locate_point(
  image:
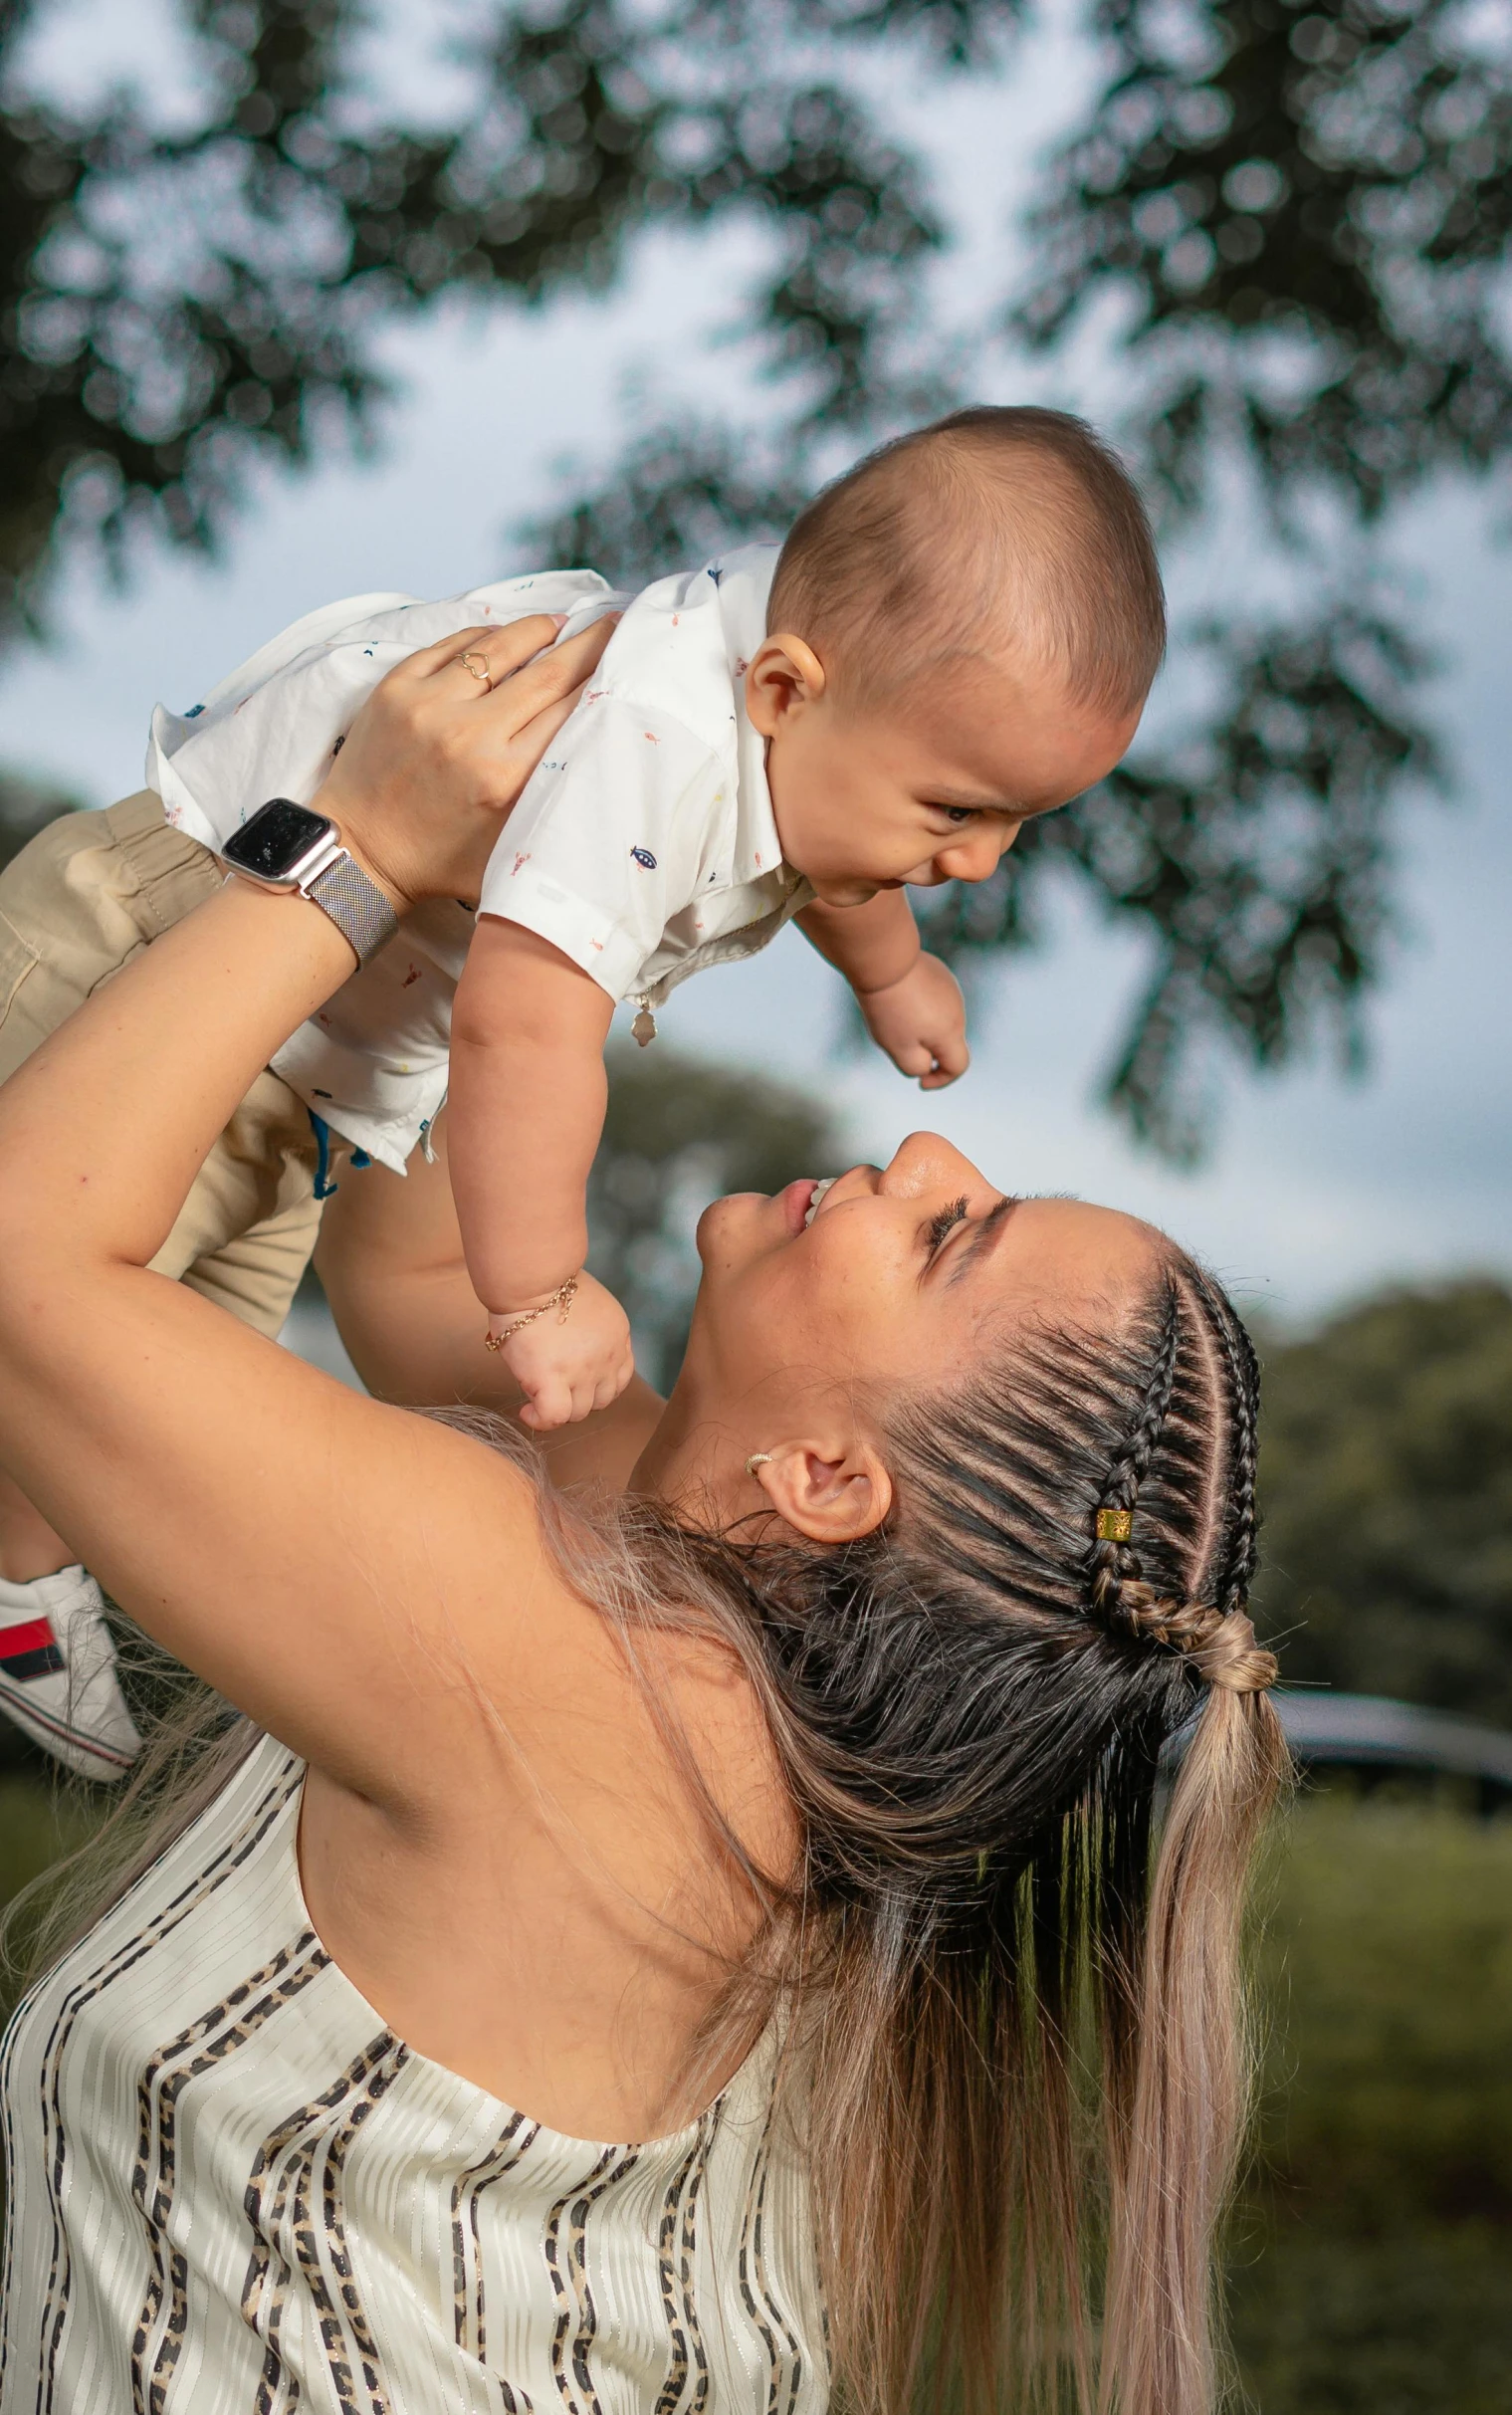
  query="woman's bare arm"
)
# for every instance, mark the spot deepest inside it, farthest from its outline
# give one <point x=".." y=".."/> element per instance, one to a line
<point x="390" y="1261"/>
<point x="347" y="1573"/>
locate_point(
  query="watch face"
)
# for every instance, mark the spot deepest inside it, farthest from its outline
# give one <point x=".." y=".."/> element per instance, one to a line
<point x="274" y="843"/>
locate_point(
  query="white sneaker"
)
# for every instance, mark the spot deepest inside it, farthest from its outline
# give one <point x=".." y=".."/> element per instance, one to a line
<point x="58" y="1676"/>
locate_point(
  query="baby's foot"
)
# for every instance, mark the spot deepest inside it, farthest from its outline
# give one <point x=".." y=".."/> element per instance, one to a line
<point x="58" y="1676"/>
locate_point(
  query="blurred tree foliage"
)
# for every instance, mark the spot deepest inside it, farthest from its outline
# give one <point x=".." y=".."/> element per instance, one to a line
<point x="1369" y="2258"/>
<point x="1288" y="219"/>
<point x="677" y="1135"/>
<point x="1385" y="1484"/>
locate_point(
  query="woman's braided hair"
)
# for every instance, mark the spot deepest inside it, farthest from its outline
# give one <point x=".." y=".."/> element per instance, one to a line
<point x="1215" y="1632"/>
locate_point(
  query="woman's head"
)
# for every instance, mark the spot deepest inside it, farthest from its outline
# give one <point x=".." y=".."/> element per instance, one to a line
<point x="992" y="1554"/>
<point x="827" y="1308"/>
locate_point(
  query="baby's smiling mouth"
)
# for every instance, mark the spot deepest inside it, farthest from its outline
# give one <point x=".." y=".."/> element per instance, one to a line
<point x="821" y="1187"/>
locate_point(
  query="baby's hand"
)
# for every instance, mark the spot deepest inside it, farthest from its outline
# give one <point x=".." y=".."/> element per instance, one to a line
<point x="567" y="1370"/>
<point x="920" y="1022"/>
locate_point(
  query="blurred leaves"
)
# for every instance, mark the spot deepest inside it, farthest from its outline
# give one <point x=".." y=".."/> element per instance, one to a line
<point x="1386" y="1492"/>
<point x="675" y="497"/>
<point x="678" y="1134"/>
<point x="181" y="305"/>
<point x="1305" y="214"/>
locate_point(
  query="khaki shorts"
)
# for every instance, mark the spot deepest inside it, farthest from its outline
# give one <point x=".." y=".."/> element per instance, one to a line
<point x="79" y="902"/>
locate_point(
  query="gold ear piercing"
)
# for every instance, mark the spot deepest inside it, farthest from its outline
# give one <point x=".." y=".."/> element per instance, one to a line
<point x="757" y="1459"/>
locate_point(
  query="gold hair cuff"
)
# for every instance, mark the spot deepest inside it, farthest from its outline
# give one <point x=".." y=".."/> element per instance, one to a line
<point x="562" y="1300"/>
<point x="1115" y="1525"/>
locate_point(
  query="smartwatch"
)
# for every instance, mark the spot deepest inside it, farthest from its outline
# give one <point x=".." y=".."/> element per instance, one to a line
<point x="285" y="846"/>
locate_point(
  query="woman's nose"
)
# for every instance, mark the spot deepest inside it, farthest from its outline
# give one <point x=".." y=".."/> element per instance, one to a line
<point x="925" y="1163"/>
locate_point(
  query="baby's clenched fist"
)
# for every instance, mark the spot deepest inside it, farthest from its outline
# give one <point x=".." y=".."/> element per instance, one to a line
<point x="919" y="1021"/>
<point x="567" y="1367"/>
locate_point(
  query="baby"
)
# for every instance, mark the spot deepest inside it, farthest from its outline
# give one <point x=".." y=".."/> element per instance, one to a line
<point x="956" y="636"/>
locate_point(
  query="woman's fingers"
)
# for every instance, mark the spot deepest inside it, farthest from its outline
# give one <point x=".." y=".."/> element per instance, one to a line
<point x="435" y="756"/>
<point x="507" y="646"/>
<point x="536" y="734"/>
<point x="513" y="648"/>
<point x="550" y="677"/>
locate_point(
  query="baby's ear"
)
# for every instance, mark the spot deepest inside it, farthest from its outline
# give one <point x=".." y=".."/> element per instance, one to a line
<point x="784" y="673"/>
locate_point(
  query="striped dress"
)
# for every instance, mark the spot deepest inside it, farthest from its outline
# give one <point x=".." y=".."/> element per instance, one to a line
<point x="234" y="2191"/>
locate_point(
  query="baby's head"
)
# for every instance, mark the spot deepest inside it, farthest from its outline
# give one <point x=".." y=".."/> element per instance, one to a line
<point x="963" y="629"/>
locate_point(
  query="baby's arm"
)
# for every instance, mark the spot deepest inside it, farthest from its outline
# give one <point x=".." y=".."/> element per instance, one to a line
<point x="526" y="1108"/>
<point x="910" y="1001"/>
<point x="390" y="1259"/>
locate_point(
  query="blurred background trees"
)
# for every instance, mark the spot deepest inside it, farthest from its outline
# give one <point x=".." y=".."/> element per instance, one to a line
<point x="1283" y="226"/>
<point x="1386" y="1479"/>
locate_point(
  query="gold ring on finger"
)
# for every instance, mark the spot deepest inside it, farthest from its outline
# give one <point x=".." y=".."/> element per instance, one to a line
<point x="477" y="664"/>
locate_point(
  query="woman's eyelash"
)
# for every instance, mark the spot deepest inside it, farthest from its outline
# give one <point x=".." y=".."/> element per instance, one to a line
<point x="945" y="1222"/>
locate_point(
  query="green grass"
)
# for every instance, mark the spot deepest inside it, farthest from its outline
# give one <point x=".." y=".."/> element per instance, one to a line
<point x="1372" y="2257"/>
<point x="38" y="1823"/>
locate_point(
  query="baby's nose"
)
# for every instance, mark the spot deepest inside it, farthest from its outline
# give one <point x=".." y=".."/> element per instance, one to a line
<point x="974" y="858"/>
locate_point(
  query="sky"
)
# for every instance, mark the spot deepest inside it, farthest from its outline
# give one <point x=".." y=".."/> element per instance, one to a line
<point x="1318" y="1188"/>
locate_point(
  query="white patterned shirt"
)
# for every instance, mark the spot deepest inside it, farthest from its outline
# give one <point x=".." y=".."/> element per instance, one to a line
<point x="643" y="846"/>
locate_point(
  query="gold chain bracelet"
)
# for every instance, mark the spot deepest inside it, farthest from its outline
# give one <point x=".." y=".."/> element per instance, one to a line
<point x="562" y="1300"/>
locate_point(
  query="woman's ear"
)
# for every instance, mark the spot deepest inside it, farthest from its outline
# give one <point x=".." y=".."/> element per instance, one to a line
<point x="830" y="1498"/>
<point x="784" y="672"/>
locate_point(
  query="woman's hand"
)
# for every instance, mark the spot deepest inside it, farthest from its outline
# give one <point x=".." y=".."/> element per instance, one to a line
<point x="436" y="757"/>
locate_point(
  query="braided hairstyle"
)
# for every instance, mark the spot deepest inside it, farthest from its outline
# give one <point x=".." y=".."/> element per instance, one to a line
<point x="1214" y="1630"/>
<point x="973" y="1709"/>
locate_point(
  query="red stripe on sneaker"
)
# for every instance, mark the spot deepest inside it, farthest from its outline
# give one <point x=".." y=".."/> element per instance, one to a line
<point x="28" y="1635"/>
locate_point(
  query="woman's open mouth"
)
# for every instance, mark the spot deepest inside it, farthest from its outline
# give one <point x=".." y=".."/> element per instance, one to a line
<point x="799" y="1202"/>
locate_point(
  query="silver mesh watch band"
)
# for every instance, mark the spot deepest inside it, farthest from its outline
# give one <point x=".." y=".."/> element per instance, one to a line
<point x="356" y="905"/>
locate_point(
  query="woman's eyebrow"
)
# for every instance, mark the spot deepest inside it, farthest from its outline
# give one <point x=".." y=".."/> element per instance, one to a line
<point x="987" y="1234"/>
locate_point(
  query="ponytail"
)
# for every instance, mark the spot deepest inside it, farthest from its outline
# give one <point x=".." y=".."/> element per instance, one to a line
<point x="1175" y="2135"/>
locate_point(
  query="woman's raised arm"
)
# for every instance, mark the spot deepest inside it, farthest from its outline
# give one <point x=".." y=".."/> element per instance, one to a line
<point x="342" y="1570"/>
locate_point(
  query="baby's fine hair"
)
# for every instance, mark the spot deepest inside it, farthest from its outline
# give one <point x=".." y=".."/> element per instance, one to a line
<point x="998" y="530"/>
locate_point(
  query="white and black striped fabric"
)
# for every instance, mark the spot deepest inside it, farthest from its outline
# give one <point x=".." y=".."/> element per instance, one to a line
<point x="232" y="2190"/>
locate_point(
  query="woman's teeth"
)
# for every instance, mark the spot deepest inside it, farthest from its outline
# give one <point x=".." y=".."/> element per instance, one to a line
<point x="828" y="1183"/>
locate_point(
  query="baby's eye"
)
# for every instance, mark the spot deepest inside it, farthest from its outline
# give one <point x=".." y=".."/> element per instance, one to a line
<point x="958" y="813"/>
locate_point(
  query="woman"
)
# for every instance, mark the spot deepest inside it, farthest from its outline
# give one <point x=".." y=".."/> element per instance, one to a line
<point x="787" y="1824"/>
